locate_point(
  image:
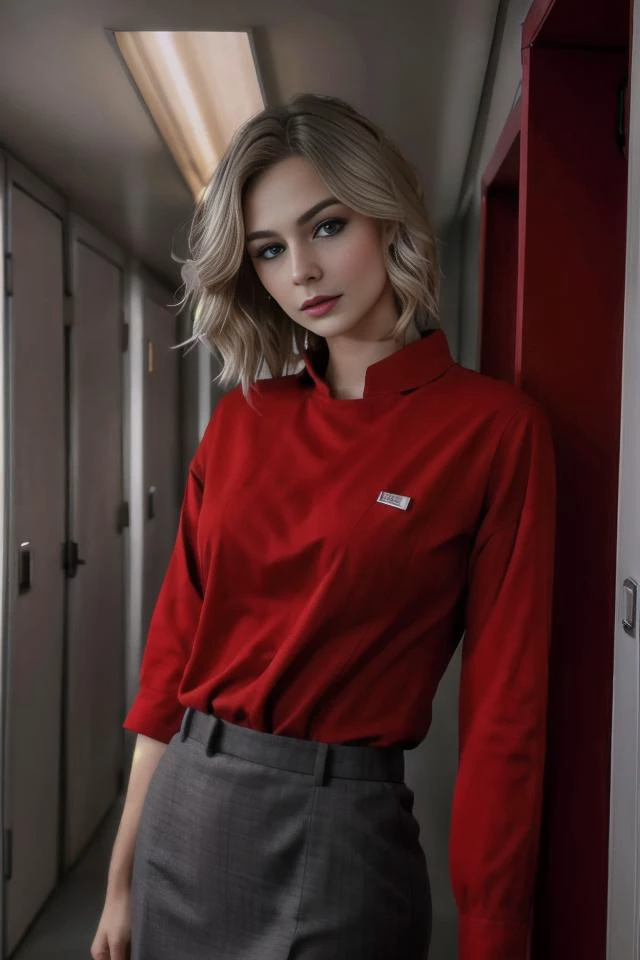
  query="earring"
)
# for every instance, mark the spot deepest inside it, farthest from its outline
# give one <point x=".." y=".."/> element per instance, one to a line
<point x="306" y="339"/>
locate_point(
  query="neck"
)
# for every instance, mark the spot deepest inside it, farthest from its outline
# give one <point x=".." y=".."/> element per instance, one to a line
<point x="350" y="359"/>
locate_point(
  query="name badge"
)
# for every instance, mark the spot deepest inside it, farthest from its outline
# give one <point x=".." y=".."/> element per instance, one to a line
<point x="393" y="500"/>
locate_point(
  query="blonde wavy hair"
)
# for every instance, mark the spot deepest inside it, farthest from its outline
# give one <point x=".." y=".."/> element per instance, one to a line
<point x="364" y="170"/>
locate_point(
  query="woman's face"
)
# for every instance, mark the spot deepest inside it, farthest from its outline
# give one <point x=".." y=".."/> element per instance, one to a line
<point x="310" y="245"/>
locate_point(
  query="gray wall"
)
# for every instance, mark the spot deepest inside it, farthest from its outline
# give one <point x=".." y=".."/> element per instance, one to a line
<point x="502" y="89"/>
<point x="189" y="393"/>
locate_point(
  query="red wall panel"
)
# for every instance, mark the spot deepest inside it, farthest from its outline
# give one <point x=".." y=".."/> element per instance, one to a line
<point x="570" y="320"/>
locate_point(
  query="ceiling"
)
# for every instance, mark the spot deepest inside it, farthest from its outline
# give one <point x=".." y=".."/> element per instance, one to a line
<point x="69" y="111"/>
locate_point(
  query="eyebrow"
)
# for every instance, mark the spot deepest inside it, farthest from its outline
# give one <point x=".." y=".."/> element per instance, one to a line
<point x="328" y="202"/>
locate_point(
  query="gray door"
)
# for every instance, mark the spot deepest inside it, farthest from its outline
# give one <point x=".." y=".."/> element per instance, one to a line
<point x="94" y="690"/>
<point x="623" y="936"/>
<point x="162" y="469"/>
<point x="33" y="681"/>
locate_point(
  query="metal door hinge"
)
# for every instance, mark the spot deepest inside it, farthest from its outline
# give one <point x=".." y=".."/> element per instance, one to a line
<point x="71" y="559"/>
<point x="8" y="274"/>
<point x="123" y="521"/>
<point x="125" y="337"/>
<point x="7" y="854"/>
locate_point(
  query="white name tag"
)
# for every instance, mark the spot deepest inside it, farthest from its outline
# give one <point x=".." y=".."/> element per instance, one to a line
<point x="393" y="500"/>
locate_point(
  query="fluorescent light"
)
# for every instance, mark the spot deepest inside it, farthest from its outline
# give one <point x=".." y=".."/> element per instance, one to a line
<point x="199" y="88"/>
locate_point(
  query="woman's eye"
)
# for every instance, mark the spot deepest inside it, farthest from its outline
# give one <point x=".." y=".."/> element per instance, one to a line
<point x="334" y="227"/>
<point x="262" y="254"/>
<point x="331" y="224"/>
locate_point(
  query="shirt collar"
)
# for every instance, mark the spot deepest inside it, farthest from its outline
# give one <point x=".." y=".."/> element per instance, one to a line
<point x="412" y="366"/>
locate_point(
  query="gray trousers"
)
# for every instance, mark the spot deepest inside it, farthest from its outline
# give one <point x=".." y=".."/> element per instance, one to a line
<point x="256" y="846"/>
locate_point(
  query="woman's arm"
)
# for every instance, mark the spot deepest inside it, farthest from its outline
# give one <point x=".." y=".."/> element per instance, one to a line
<point x="156" y="712"/>
<point x="111" y="941"/>
<point x="496" y="812"/>
<point x="146" y="757"/>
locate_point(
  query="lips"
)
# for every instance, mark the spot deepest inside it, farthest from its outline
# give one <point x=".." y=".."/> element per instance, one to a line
<point x="317" y="300"/>
<point x="321" y="307"/>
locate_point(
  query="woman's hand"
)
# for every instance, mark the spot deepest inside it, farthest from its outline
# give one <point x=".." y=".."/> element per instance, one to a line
<point x="113" y="935"/>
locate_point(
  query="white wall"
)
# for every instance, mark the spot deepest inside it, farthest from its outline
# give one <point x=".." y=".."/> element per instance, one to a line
<point x="134" y="477"/>
<point x="191" y="376"/>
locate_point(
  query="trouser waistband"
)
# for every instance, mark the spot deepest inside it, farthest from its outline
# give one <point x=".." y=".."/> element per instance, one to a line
<point x="322" y="760"/>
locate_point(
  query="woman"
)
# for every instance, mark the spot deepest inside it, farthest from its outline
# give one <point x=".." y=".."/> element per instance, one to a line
<point x="342" y="527"/>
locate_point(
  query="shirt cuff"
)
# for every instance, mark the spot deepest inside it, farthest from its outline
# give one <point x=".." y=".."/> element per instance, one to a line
<point x="155" y="715"/>
<point x="480" y="939"/>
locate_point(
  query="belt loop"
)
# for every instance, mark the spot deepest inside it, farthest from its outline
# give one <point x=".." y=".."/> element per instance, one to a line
<point x="185" y="726"/>
<point x="321" y="764"/>
<point x="215" y="727"/>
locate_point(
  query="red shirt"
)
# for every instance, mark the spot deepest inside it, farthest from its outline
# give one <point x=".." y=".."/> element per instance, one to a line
<point x="297" y="603"/>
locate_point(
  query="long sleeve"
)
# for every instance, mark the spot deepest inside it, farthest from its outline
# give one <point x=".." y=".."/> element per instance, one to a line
<point x="503" y="696"/>
<point x="156" y="711"/>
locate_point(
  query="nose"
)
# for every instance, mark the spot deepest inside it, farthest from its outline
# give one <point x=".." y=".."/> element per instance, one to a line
<point x="304" y="266"/>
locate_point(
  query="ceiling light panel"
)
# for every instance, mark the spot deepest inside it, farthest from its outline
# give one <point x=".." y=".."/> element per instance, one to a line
<point x="198" y="87"/>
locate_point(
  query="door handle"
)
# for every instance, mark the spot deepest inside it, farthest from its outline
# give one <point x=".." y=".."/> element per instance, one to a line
<point x="24" y="567"/>
<point x="629" y="605"/>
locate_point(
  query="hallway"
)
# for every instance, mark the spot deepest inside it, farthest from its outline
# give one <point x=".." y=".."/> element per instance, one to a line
<point x="496" y="164"/>
<point x="65" y="928"/>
